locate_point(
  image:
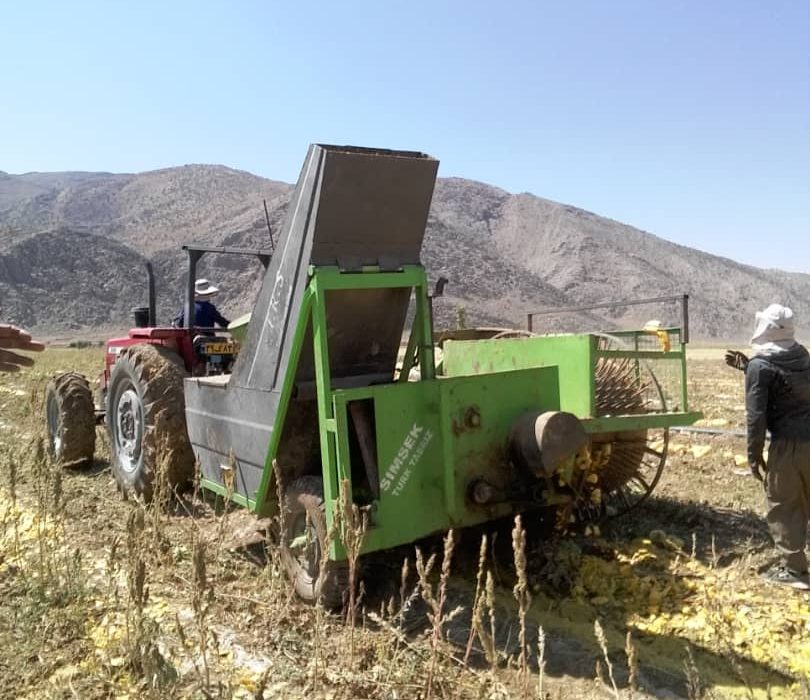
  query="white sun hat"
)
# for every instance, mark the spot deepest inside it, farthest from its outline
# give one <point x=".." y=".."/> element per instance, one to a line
<point x="203" y="288"/>
<point x="773" y="325"/>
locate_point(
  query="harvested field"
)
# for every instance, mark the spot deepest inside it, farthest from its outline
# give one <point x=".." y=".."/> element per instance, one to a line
<point x="102" y="598"/>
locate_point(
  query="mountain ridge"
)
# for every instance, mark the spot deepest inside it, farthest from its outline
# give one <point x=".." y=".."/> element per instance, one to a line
<point x="505" y="254"/>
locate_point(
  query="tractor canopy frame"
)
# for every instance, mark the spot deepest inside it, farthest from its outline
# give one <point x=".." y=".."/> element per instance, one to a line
<point x="195" y="252"/>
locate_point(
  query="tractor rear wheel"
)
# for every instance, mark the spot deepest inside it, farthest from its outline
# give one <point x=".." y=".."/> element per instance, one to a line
<point x="71" y="420"/>
<point x="304" y="539"/>
<point x="146" y="421"/>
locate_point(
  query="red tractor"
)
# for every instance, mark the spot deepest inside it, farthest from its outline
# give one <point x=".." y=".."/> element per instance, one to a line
<point x="140" y="392"/>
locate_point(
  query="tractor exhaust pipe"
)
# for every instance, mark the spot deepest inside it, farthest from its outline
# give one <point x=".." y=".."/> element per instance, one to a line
<point x="144" y="316"/>
<point x="150" y="277"/>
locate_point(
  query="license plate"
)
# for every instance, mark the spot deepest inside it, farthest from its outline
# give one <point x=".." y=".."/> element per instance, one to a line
<point x="220" y="348"/>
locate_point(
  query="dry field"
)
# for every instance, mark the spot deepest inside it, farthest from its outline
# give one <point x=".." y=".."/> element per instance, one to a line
<point x="102" y="598"/>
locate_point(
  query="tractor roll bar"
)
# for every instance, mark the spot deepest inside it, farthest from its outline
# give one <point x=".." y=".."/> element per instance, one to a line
<point x="195" y="252"/>
<point x="683" y="299"/>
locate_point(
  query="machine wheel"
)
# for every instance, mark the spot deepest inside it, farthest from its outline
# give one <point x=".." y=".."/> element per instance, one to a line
<point x="146" y="421"/>
<point x="635" y="466"/>
<point x="637" y="458"/>
<point x="303" y="539"/>
<point x="71" y="420"/>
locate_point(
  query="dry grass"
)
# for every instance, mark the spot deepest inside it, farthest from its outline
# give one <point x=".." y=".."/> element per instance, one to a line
<point x="106" y="598"/>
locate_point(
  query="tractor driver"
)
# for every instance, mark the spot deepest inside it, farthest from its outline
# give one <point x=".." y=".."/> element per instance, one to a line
<point x="206" y="314"/>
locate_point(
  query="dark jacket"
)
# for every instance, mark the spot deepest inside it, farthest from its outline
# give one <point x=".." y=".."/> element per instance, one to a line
<point x="205" y="316"/>
<point x="777" y="397"/>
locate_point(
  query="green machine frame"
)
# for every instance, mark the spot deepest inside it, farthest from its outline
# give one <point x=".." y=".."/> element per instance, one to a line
<point x="435" y="436"/>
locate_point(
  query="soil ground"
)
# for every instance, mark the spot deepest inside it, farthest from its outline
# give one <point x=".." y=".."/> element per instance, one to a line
<point x="101" y="597"/>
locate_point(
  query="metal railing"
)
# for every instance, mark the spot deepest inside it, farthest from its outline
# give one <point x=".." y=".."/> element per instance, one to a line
<point x="683" y="299"/>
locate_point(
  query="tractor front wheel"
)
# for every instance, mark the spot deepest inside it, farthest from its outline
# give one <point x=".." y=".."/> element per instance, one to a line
<point x="304" y="540"/>
<point x="71" y="420"/>
<point x="146" y="421"/>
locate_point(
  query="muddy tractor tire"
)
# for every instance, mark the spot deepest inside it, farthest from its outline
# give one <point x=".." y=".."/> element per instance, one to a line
<point x="146" y="421"/>
<point x="303" y="539"/>
<point x="70" y="418"/>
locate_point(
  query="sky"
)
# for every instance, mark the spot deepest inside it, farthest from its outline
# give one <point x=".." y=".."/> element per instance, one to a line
<point x="685" y="118"/>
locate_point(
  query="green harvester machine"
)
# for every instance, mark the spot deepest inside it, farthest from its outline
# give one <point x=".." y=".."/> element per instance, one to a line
<point x="456" y="430"/>
<point x="503" y="422"/>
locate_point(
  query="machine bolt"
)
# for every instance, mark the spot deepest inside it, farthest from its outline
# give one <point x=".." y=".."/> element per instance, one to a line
<point x="472" y="417"/>
<point x="482" y="492"/>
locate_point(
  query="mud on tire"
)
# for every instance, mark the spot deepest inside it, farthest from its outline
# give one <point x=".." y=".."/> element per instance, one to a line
<point x="303" y="539"/>
<point x="70" y="419"/>
<point x="146" y="421"/>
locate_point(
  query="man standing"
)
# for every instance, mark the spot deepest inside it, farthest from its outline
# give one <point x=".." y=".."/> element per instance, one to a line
<point x="13" y="338"/>
<point x="777" y="398"/>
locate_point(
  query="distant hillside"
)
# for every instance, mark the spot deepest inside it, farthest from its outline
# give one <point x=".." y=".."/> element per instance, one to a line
<point x="72" y="248"/>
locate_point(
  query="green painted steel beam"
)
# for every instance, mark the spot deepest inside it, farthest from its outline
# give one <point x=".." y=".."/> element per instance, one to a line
<point x="227" y="493"/>
<point x="641" y="354"/>
<point x="263" y="504"/>
<point x="647" y="421"/>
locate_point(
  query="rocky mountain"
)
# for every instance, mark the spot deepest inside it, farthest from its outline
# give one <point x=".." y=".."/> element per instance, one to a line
<point x="73" y="246"/>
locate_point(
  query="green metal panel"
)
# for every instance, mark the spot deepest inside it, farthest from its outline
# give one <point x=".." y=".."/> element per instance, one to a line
<point x="433" y="438"/>
<point x="410" y="457"/>
<point x="477" y="417"/>
<point x="572" y="354"/>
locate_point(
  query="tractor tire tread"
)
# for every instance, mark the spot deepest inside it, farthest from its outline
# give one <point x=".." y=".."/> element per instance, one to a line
<point x="160" y="373"/>
<point x="74" y="399"/>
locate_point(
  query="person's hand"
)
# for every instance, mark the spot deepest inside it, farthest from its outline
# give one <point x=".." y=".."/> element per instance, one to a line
<point x="759" y="469"/>
<point x="13" y="338"/>
<point x="736" y="359"/>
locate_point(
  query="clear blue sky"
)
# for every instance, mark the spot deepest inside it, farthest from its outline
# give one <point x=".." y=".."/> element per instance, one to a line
<point x="689" y="119"/>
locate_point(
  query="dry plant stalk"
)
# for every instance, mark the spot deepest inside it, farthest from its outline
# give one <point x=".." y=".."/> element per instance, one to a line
<point x="436" y="602"/>
<point x="61" y="574"/>
<point x="320" y="612"/>
<point x="438" y="615"/>
<point x="602" y="639"/>
<point x="694" y="689"/>
<point x="275" y="567"/>
<point x="223" y="520"/>
<point x="477" y="613"/>
<point x="523" y="598"/>
<point x="403" y="588"/>
<point x="492" y="651"/>
<point x="10" y="480"/>
<point x="201" y="600"/>
<point x="632" y="663"/>
<point x="541" y="660"/>
<point x="354" y="524"/>
<point x="160" y="497"/>
<point x="140" y="631"/>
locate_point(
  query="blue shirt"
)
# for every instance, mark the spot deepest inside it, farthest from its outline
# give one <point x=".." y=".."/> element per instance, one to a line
<point x="205" y="316"/>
